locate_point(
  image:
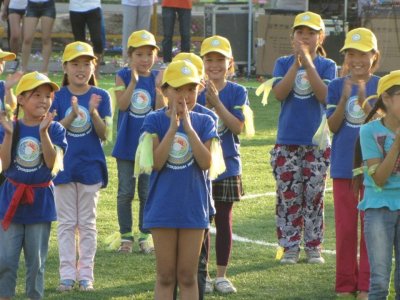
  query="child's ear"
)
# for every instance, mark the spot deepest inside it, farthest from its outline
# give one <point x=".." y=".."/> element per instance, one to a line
<point x="20" y="99"/>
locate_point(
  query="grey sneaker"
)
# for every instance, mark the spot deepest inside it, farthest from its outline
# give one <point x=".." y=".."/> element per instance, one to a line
<point x="290" y="257"/>
<point x="314" y="256"/>
<point x="224" y="286"/>
<point x="209" y="286"/>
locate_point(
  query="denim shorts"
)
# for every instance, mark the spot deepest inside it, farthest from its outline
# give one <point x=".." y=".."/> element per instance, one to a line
<point x="41" y="9"/>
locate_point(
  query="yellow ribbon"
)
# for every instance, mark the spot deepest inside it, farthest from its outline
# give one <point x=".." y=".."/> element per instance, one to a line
<point x="58" y="162"/>
<point x="248" y="120"/>
<point x="217" y="160"/>
<point x="279" y="253"/>
<point x="266" y="88"/>
<point x="113" y="241"/>
<point x="144" y="155"/>
<point x="321" y="136"/>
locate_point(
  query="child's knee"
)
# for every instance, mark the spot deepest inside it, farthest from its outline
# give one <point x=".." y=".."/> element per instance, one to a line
<point x="187" y="278"/>
<point x="166" y="278"/>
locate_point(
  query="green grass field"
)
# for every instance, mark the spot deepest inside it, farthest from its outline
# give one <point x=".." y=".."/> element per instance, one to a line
<point x="253" y="268"/>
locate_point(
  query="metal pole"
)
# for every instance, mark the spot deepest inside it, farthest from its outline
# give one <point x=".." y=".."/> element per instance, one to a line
<point x="250" y="40"/>
<point x="345" y="12"/>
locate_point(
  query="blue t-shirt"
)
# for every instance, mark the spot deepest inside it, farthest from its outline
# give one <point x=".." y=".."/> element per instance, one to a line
<point x="301" y="112"/>
<point x="376" y="141"/>
<point x="28" y="167"/>
<point x="84" y="161"/>
<point x="344" y="140"/>
<point x="130" y="121"/>
<point x="178" y="195"/>
<point x="233" y="96"/>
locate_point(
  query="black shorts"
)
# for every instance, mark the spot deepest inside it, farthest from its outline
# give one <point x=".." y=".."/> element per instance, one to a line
<point x="41" y="9"/>
<point x="20" y="12"/>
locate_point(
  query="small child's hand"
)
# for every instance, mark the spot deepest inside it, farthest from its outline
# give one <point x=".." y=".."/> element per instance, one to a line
<point x="303" y="54"/>
<point x="212" y="98"/>
<point x="174" y="119"/>
<point x="159" y="78"/>
<point x="13" y="79"/>
<point x="75" y="106"/>
<point x="94" y="102"/>
<point x="185" y="117"/>
<point x="46" y="121"/>
<point x="134" y="74"/>
<point x="346" y="91"/>
<point x="361" y="92"/>
<point x="6" y="122"/>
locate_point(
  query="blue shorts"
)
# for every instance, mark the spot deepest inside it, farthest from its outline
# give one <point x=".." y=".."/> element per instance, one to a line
<point x="41" y="9"/>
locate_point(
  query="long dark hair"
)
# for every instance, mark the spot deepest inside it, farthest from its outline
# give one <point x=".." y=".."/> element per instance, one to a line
<point x="358" y="161"/>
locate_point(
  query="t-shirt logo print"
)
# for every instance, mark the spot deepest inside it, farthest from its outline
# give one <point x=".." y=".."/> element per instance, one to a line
<point x="302" y="86"/>
<point x="82" y="122"/>
<point x="29" y="152"/>
<point x="140" y="103"/>
<point x="181" y="151"/>
<point x="354" y="113"/>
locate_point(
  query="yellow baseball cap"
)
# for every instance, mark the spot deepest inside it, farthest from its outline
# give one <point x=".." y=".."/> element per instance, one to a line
<point x="179" y="73"/>
<point x="216" y="43"/>
<point x="361" y="39"/>
<point x="142" y="38"/>
<point x="32" y="80"/>
<point x="76" y="49"/>
<point x="192" y="58"/>
<point x="309" y="19"/>
<point x="4" y="55"/>
<point x="387" y="81"/>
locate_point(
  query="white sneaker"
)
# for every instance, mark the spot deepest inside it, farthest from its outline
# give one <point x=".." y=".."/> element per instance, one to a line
<point x="314" y="257"/>
<point x="209" y="286"/>
<point x="224" y="286"/>
<point x="290" y="257"/>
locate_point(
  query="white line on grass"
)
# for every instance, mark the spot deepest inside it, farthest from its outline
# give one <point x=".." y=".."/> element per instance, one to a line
<point x="238" y="238"/>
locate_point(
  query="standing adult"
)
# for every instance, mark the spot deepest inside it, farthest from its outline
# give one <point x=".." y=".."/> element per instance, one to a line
<point x="88" y="13"/>
<point x="44" y="10"/>
<point x="14" y="11"/>
<point x="136" y="16"/>
<point x="171" y="9"/>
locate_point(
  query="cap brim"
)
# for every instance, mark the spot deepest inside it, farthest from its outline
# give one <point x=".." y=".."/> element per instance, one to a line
<point x="314" y="27"/>
<point x="144" y="44"/>
<point x="181" y="82"/>
<point x="356" y="47"/>
<point x="7" y="56"/>
<point x="79" y="55"/>
<point x="224" y="53"/>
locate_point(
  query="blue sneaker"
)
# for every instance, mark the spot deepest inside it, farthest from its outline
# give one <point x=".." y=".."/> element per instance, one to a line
<point x="86" y="285"/>
<point x="66" y="285"/>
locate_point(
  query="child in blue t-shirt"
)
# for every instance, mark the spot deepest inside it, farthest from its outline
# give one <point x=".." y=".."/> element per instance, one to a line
<point x="204" y="283"/>
<point x="31" y="151"/>
<point x="347" y="108"/>
<point x="177" y="209"/>
<point x="227" y="99"/>
<point x="137" y="99"/>
<point x="6" y="92"/>
<point x="85" y="111"/>
<point x="380" y="149"/>
<point x="300" y="166"/>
